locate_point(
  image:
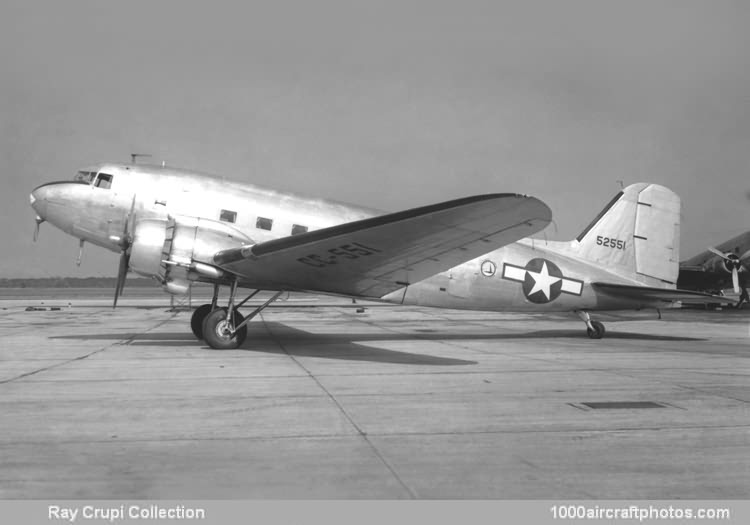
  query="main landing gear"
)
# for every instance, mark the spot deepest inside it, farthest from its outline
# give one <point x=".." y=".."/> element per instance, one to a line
<point x="594" y="329"/>
<point x="225" y="328"/>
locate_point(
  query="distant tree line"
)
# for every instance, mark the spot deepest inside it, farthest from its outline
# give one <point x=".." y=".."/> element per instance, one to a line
<point x="74" y="282"/>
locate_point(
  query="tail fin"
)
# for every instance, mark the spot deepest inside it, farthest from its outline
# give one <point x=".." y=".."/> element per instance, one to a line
<point x="637" y="235"/>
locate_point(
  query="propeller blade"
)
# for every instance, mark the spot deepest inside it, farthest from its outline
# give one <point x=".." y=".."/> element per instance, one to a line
<point x="129" y="223"/>
<point x="80" y="252"/>
<point x="39" y="221"/>
<point x="735" y="280"/>
<point x="122" y="272"/>
<point x="125" y="242"/>
<point x="717" y="252"/>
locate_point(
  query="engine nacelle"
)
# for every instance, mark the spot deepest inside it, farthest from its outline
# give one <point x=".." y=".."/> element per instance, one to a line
<point x="172" y="250"/>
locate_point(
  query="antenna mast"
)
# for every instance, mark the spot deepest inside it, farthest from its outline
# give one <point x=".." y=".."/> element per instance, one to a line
<point x="134" y="156"/>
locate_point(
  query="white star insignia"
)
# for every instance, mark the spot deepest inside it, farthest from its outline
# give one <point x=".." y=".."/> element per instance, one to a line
<point x="542" y="281"/>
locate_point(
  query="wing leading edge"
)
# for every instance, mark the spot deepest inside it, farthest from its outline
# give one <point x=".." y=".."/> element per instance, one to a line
<point x="375" y="256"/>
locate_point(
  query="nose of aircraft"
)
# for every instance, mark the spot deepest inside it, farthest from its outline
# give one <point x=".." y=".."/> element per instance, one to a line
<point x="62" y="204"/>
<point x="38" y="201"/>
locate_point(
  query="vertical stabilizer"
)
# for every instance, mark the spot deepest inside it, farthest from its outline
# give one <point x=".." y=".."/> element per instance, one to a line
<point x="637" y="235"/>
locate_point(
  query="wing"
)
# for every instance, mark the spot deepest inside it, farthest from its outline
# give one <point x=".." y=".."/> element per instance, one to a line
<point x="647" y="293"/>
<point x="375" y="256"/>
<point x="739" y="245"/>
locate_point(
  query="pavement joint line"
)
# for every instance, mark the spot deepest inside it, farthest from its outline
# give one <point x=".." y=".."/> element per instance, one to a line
<point x="82" y="357"/>
<point x="357" y="374"/>
<point x="572" y="431"/>
<point x="402" y="395"/>
<point x="412" y="493"/>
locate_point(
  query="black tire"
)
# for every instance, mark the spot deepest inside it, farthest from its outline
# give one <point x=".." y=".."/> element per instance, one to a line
<point x="213" y="330"/>
<point x="597" y="332"/>
<point x="196" y="322"/>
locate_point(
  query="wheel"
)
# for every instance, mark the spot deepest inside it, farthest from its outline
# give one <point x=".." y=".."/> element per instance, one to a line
<point x="196" y="322"/>
<point x="597" y="332"/>
<point x="215" y="330"/>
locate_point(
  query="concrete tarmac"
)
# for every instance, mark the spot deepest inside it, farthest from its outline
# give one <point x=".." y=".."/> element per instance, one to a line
<point x="323" y="401"/>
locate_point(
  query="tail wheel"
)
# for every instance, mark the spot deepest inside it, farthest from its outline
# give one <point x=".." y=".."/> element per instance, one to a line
<point x="216" y="330"/>
<point x="196" y="322"/>
<point x="598" y="330"/>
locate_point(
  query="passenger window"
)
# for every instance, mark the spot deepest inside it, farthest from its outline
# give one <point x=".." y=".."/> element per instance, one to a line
<point x="104" y="181"/>
<point x="263" y="223"/>
<point x="228" y="216"/>
<point x="297" y="229"/>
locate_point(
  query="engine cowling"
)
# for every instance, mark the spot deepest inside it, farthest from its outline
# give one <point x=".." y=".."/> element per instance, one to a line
<point x="173" y="250"/>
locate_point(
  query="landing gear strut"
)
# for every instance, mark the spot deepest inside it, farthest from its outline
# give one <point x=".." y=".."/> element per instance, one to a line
<point x="200" y="314"/>
<point x="226" y="328"/>
<point x="594" y="329"/>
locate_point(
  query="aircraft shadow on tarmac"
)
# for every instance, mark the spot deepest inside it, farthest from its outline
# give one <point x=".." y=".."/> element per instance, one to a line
<point x="352" y="346"/>
<point x="300" y="343"/>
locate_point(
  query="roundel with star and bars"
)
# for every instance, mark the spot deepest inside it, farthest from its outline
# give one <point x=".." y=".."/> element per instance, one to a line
<point x="541" y="280"/>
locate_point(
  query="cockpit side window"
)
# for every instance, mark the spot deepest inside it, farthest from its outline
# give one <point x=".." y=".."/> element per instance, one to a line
<point x="104" y="181"/>
<point x="85" y="176"/>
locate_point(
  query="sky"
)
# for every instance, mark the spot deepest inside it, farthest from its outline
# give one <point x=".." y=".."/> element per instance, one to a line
<point x="389" y="104"/>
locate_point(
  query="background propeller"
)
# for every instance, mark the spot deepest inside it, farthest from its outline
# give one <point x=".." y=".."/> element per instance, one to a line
<point x="732" y="263"/>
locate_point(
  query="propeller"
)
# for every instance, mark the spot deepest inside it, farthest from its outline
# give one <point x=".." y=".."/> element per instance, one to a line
<point x="80" y="252"/>
<point x="732" y="263"/>
<point x="39" y="221"/>
<point x="122" y="272"/>
<point x="126" y="242"/>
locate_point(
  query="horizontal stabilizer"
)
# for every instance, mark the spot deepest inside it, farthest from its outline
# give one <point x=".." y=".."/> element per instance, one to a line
<point x="646" y="293"/>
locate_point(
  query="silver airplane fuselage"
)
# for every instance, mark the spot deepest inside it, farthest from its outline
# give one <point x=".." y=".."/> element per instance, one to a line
<point x="528" y="275"/>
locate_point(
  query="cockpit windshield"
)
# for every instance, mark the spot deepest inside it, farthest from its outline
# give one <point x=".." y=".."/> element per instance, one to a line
<point x="85" y="176"/>
<point x="100" y="180"/>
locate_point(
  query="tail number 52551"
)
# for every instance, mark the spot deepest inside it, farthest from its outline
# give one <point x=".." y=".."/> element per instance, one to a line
<point x="610" y="242"/>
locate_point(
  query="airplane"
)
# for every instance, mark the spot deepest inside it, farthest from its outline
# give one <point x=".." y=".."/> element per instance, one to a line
<point x="474" y="253"/>
<point x="727" y="264"/>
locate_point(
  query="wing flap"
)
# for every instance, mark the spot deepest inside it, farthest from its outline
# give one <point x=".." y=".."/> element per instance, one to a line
<point x="659" y="294"/>
<point x="375" y="256"/>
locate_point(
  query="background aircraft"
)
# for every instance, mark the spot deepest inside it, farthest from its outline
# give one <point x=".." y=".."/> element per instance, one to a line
<point x="720" y="267"/>
<point x="179" y="227"/>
